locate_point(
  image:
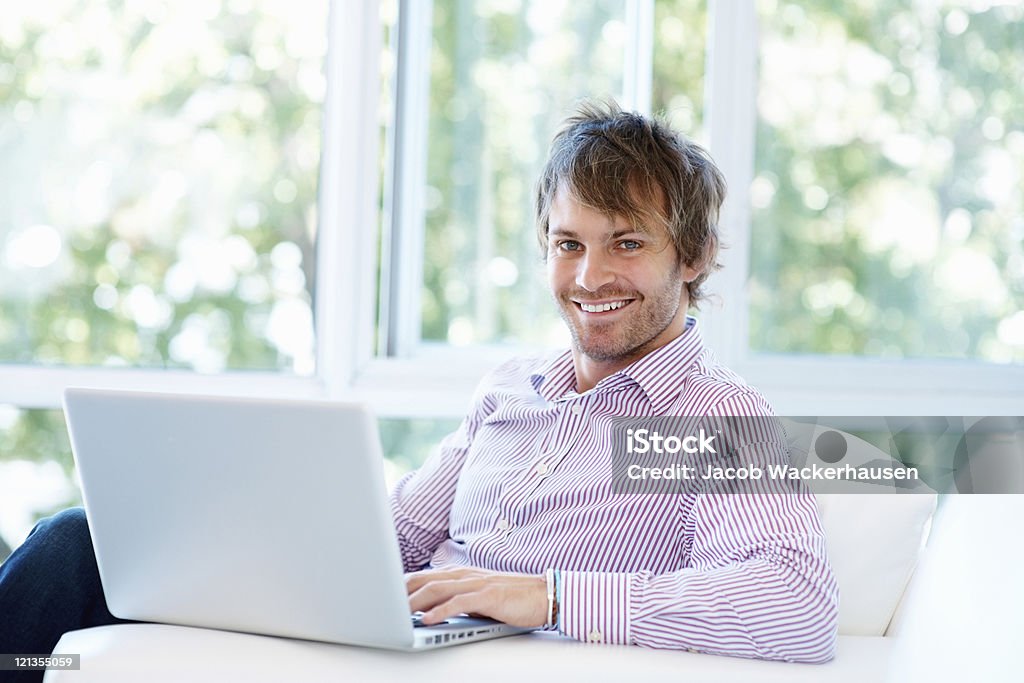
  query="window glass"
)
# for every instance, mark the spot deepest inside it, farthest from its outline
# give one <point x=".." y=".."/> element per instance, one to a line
<point x="503" y="74"/>
<point x="408" y="442"/>
<point x="158" y="178"/>
<point x="887" y="200"/>
<point x="677" y="85"/>
<point x="36" y="470"/>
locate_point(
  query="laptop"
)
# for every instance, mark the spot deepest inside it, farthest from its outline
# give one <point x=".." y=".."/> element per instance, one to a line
<point x="253" y="515"/>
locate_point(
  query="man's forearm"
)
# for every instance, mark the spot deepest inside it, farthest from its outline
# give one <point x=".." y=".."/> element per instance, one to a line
<point x="752" y="609"/>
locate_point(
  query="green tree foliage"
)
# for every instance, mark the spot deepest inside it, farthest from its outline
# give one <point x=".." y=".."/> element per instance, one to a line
<point x="159" y="190"/>
<point x="890" y="160"/>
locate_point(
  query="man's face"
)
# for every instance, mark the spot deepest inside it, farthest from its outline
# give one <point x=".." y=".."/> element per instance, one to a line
<point x="621" y="292"/>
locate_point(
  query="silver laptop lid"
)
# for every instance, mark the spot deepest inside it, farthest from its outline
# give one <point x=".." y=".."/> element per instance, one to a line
<point x="252" y="515"/>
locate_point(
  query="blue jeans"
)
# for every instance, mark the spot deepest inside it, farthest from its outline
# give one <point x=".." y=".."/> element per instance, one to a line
<point x="48" y="586"/>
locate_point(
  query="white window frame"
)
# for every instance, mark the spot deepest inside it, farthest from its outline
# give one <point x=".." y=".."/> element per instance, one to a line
<point x="811" y="384"/>
<point x="404" y="378"/>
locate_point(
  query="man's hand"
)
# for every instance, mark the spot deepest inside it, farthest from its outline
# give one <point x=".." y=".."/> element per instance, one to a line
<point x="516" y="599"/>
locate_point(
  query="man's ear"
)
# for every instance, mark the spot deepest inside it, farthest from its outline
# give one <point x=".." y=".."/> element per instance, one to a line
<point x="690" y="273"/>
<point x="704" y="263"/>
<point x="694" y="267"/>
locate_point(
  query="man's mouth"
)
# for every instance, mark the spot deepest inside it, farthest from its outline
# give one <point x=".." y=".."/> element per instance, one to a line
<point x="603" y="306"/>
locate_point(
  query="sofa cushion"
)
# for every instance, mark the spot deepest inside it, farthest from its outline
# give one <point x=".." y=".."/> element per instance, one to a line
<point x="875" y="533"/>
<point x="155" y="653"/>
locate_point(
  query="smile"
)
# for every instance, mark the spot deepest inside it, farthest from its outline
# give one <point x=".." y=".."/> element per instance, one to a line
<point x="601" y="308"/>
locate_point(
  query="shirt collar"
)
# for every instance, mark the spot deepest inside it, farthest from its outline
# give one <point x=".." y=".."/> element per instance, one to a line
<point x="659" y="374"/>
<point x="555" y="378"/>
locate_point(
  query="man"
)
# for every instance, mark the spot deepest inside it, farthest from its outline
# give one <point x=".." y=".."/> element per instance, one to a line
<point x="626" y="213"/>
<point x="515" y="516"/>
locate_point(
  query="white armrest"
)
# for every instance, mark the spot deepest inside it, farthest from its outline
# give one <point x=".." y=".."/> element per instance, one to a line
<point x="963" y="615"/>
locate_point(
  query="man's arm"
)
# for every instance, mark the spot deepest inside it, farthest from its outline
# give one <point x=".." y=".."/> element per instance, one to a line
<point x="760" y="587"/>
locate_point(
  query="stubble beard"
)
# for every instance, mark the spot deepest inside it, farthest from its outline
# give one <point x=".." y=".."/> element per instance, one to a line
<point x="628" y="339"/>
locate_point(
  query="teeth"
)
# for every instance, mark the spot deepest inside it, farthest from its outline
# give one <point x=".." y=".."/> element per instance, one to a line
<point x="601" y="308"/>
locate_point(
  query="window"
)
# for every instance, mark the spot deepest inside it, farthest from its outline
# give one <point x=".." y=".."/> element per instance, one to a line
<point x="806" y="370"/>
<point x="159" y="194"/>
<point x="481" y="86"/>
<point x="810" y="311"/>
<point x="158" y="212"/>
<point x="501" y="74"/>
<point x="36" y="470"/>
<point x="887" y="195"/>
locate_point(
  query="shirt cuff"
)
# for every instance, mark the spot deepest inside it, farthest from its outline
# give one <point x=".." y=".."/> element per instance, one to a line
<point x="595" y="607"/>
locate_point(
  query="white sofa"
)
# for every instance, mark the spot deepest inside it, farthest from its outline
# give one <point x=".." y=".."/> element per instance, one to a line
<point x="923" y="597"/>
<point x="960" y="618"/>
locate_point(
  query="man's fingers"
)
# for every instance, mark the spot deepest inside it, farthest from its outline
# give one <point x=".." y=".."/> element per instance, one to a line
<point x="418" y="580"/>
<point x="434" y="593"/>
<point x="463" y="603"/>
<point x="515" y="599"/>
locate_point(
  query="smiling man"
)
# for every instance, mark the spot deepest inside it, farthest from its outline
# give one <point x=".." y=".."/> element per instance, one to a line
<point x="516" y="517"/>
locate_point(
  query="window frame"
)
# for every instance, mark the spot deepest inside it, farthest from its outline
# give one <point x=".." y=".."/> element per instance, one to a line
<point x="400" y="377"/>
<point x="811" y="384"/>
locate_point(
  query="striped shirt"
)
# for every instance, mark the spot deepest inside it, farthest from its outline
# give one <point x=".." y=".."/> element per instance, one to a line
<point x="525" y="484"/>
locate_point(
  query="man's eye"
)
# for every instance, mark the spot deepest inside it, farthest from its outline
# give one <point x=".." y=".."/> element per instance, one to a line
<point x="630" y="245"/>
<point x="569" y="245"/>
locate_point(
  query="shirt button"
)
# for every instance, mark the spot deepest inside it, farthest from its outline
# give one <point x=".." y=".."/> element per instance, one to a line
<point x="576" y="408"/>
<point x="690" y="649"/>
<point x="595" y="636"/>
<point x="503" y="524"/>
<point x="542" y="469"/>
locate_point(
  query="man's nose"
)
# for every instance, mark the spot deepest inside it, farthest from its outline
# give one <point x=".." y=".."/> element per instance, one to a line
<point x="594" y="271"/>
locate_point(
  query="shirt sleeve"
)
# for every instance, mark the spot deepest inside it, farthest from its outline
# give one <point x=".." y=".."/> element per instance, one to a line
<point x="761" y="589"/>
<point x="421" y="501"/>
<point x="758" y="584"/>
